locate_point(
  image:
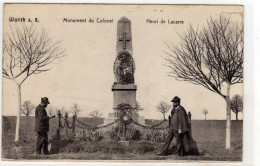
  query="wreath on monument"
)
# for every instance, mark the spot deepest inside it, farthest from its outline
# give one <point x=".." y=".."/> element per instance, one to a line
<point x="124" y="113"/>
<point x="124" y="68"/>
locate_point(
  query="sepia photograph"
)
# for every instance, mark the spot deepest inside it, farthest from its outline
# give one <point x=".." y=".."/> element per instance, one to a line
<point x="118" y="82"/>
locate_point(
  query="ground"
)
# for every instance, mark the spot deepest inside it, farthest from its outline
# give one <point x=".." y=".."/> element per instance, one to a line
<point x="209" y="135"/>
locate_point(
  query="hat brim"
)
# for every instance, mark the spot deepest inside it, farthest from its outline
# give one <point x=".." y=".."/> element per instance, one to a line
<point x="175" y="101"/>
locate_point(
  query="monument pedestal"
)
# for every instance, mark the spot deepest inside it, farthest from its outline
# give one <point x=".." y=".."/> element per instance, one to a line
<point x="124" y="93"/>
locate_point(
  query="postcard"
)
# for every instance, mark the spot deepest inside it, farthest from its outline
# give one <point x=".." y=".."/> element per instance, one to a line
<point x="122" y="82"/>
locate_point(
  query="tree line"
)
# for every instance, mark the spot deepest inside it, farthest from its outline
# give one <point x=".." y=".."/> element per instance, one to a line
<point x="28" y="108"/>
<point x="236" y="106"/>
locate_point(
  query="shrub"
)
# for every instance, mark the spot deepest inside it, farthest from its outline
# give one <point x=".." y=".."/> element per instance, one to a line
<point x="156" y="136"/>
<point x="113" y="135"/>
<point x="134" y="134"/>
<point x="89" y="135"/>
<point x="96" y="136"/>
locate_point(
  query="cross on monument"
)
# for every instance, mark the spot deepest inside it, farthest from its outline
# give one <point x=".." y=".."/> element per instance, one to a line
<point x="124" y="40"/>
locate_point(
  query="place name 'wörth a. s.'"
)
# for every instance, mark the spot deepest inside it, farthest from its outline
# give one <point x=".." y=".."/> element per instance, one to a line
<point x="87" y="20"/>
<point x="23" y="19"/>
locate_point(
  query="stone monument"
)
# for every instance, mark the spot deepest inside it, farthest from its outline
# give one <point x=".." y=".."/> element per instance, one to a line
<point x="124" y="89"/>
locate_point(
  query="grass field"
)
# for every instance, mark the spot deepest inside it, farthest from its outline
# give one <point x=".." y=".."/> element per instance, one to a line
<point x="209" y="135"/>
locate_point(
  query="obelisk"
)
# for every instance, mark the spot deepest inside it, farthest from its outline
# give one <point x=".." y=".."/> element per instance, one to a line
<point x="124" y="89"/>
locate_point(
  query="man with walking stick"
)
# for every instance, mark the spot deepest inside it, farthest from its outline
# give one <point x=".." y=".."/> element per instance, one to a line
<point x="178" y="128"/>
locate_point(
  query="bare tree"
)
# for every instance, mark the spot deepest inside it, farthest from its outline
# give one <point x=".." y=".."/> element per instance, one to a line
<point x="27" y="108"/>
<point x="95" y="114"/>
<point x="27" y="51"/>
<point x="62" y="110"/>
<point x="75" y="109"/>
<point x="205" y="112"/>
<point x="237" y="105"/>
<point x="163" y="107"/>
<point x="211" y="57"/>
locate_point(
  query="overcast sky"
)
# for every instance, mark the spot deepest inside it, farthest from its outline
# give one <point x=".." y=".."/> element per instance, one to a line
<point x="86" y="75"/>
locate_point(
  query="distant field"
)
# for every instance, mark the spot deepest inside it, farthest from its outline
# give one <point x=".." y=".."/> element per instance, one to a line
<point x="209" y="135"/>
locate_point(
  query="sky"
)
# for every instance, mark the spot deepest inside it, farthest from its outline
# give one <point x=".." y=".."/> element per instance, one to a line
<point x="85" y="76"/>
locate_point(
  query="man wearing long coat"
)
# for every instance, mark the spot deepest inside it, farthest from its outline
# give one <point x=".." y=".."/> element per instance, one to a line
<point x="42" y="126"/>
<point x="178" y="128"/>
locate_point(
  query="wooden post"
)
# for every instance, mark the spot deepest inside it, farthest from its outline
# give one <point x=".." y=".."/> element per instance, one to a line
<point x="66" y="123"/>
<point x="189" y="118"/>
<point x="169" y="120"/>
<point x="59" y="121"/>
<point x="73" y="124"/>
<point x="125" y="131"/>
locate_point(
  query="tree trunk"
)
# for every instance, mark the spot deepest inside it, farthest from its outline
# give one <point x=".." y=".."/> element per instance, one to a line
<point x="205" y="116"/>
<point x="19" y="114"/>
<point x="228" y="123"/>
<point x="237" y="116"/>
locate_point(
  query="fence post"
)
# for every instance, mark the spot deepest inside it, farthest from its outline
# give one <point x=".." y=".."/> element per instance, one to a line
<point x="66" y="123"/>
<point x="124" y="131"/>
<point x="73" y="124"/>
<point x="59" y="122"/>
<point x="169" y="120"/>
<point x="189" y="117"/>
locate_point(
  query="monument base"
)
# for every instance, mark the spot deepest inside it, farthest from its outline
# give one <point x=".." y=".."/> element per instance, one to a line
<point x="125" y="143"/>
<point x="124" y="93"/>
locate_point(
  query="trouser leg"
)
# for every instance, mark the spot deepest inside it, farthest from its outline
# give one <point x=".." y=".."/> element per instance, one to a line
<point x="165" y="148"/>
<point x="179" y="143"/>
<point x="45" y="143"/>
<point x="39" y="142"/>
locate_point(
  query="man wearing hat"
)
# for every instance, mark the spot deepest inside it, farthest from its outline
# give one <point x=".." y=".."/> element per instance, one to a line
<point x="42" y="126"/>
<point x="178" y="127"/>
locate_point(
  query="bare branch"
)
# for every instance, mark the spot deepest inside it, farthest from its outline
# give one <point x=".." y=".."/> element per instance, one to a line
<point x="27" y="108"/>
<point x="75" y="109"/>
<point x="95" y="114"/>
<point x="28" y="50"/>
<point x="237" y="104"/>
<point x="209" y="57"/>
<point x="163" y="107"/>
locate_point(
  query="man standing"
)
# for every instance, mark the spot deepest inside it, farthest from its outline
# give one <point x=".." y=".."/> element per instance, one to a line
<point x="178" y="127"/>
<point x="42" y="126"/>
